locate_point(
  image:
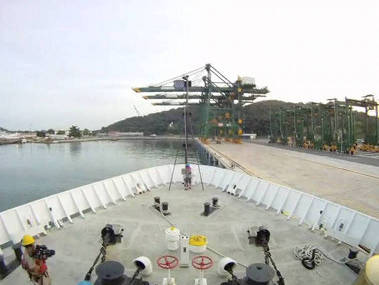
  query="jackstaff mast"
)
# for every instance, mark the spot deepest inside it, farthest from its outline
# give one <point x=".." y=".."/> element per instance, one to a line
<point x="185" y="78"/>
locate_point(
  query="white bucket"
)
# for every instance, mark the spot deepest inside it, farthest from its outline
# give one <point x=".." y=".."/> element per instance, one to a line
<point x="172" y="238"/>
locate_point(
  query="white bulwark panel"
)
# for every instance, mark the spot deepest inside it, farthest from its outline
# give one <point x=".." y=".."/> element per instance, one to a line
<point x="342" y="223"/>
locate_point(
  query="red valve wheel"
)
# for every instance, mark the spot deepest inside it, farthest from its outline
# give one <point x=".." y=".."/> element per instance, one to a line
<point x="202" y="262"/>
<point x="167" y="262"/>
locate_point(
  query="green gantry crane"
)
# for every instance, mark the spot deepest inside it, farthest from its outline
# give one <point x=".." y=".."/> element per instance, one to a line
<point x="331" y="126"/>
<point x="220" y="99"/>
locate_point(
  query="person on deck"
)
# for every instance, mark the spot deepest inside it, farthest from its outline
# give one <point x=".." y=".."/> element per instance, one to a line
<point x="187" y="177"/>
<point x="36" y="268"/>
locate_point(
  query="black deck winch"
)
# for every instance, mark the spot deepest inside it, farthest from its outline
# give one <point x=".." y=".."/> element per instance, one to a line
<point x="112" y="273"/>
<point x="258" y="235"/>
<point x="112" y="234"/>
<point x="258" y="274"/>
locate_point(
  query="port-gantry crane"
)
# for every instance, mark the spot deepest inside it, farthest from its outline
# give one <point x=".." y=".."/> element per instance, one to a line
<point x="220" y="100"/>
<point x="333" y="126"/>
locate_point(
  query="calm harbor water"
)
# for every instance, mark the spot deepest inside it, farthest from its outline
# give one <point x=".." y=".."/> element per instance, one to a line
<point x="32" y="171"/>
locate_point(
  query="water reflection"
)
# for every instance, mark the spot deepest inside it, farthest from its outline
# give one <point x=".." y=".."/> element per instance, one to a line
<point x="33" y="171"/>
<point x="75" y="148"/>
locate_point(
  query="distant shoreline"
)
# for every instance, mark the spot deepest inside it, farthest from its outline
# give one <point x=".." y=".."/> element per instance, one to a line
<point x="119" y="139"/>
<point x="89" y="139"/>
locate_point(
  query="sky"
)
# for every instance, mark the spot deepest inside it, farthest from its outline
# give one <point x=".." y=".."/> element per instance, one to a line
<point x="75" y="62"/>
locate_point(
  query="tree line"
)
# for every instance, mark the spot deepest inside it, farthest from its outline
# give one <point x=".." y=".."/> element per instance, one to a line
<point x="256" y="120"/>
<point x="73" y="132"/>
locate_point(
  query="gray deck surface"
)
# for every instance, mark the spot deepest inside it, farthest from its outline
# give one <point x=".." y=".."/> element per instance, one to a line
<point x="78" y="244"/>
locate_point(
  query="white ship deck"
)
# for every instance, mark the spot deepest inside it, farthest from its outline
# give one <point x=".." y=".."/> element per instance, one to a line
<point x="254" y="203"/>
<point x="78" y="244"/>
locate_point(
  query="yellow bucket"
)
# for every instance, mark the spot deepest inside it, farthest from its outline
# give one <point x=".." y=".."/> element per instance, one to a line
<point x="198" y="240"/>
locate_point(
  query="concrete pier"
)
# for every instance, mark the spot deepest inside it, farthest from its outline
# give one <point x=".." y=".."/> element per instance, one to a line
<point x="351" y="184"/>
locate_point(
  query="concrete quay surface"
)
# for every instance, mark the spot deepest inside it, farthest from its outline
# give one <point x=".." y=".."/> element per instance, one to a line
<point x="351" y="184"/>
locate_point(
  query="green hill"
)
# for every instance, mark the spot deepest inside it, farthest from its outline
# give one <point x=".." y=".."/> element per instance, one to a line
<point x="256" y="120"/>
<point x="157" y="123"/>
<point x="256" y="116"/>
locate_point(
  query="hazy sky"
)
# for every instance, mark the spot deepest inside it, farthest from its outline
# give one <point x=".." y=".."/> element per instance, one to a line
<point x="73" y="62"/>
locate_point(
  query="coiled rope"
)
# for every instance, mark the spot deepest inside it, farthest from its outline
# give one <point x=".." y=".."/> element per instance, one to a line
<point x="309" y="254"/>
